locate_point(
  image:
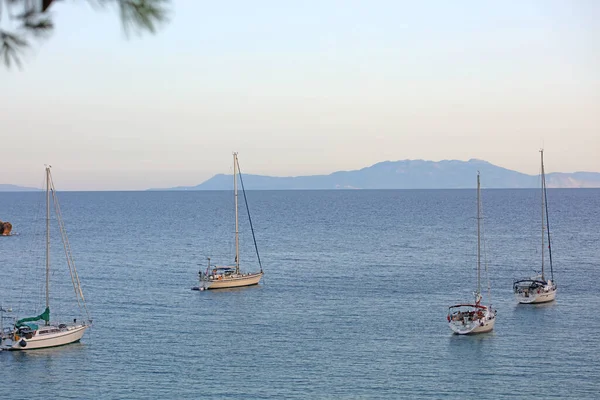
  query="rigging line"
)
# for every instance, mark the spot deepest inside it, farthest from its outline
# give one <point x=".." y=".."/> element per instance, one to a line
<point x="249" y="218"/>
<point x="541" y="179"/>
<point x="547" y="222"/>
<point x="485" y="262"/>
<point x="68" y="253"/>
<point x="59" y="220"/>
<point x="478" y="235"/>
<point x="70" y="260"/>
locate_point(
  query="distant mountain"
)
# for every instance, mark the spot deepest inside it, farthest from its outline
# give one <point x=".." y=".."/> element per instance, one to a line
<point x="4" y="187"/>
<point x="407" y="174"/>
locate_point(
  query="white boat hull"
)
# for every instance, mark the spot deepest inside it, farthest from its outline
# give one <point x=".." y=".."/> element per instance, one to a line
<point x="473" y="328"/>
<point x="63" y="336"/>
<point x="231" y="281"/>
<point x="533" y="297"/>
<point x="483" y="325"/>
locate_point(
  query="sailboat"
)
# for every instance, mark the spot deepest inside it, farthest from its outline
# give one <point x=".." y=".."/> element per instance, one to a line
<point x="470" y="318"/>
<point x="537" y="289"/>
<point x="222" y="277"/>
<point x="25" y="333"/>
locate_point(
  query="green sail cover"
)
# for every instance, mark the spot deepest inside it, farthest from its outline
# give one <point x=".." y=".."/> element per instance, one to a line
<point x="31" y="325"/>
<point x="44" y="316"/>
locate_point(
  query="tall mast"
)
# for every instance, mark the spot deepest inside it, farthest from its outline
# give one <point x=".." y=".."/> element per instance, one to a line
<point x="47" y="237"/>
<point x="478" y="239"/>
<point x="235" y="196"/>
<point x="543" y="208"/>
<point x="548" y="227"/>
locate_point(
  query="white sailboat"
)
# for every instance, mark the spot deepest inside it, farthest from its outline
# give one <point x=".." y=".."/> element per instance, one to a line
<point x="222" y="277"/>
<point x="25" y="334"/>
<point x="470" y="318"/>
<point x="537" y="289"/>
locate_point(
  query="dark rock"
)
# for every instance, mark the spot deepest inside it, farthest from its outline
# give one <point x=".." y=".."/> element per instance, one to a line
<point x="5" y="228"/>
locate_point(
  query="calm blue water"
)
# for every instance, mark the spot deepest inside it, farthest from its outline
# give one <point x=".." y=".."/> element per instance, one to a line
<point x="353" y="303"/>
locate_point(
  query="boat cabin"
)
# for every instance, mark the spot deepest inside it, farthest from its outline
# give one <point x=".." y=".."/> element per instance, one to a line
<point x="527" y="286"/>
<point x="466" y="312"/>
<point x="221" y="272"/>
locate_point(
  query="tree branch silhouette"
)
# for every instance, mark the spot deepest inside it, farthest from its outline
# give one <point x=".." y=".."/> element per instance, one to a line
<point x="29" y="20"/>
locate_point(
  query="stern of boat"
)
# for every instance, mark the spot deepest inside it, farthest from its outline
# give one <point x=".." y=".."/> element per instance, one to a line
<point x="534" y="292"/>
<point x="471" y="319"/>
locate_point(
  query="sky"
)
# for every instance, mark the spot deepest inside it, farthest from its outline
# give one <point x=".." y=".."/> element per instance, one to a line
<point x="302" y="88"/>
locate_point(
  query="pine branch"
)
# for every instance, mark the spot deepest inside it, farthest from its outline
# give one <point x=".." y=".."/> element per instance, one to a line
<point x="138" y="15"/>
<point x="11" y="46"/>
<point x="34" y="21"/>
<point x="40" y="27"/>
<point x="142" y="15"/>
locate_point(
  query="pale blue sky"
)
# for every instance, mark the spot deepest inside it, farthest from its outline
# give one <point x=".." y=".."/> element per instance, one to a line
<point x="303" y="88"/>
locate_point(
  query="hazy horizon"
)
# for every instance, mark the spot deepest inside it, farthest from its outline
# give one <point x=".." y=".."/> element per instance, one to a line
<point x="303" y="89"/>
<point x="42" y="184"/>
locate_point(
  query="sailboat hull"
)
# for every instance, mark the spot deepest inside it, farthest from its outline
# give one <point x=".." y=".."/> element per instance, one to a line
<point x="55" y="337"/>
<point x="535" y="297"/>
<point x="232" y="282"/>
<point x="473" y="328"/>
<point x="471" y="319"/>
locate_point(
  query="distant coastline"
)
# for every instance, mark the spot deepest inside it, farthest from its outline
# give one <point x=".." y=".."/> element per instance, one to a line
<point x="402" y="174"/>
<point x="406" y="174"/>
<point x="15" y="188"/>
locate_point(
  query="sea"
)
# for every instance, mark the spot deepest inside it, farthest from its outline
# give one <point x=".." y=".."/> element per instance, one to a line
<point x="353" y="303"/>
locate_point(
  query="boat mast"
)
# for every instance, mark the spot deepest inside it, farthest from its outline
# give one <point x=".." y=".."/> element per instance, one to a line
<point x="47" y="237"/>
<point x="543" y="208"/>
<point x="235" y="196"/>
<point x="547" y="219"/>
<point x="478" y="241"/>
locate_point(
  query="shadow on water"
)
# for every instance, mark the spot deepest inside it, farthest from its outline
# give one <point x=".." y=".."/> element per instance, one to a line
<point x="534" y="311"/>
<point x="50" y="354"/>
<point x="468" y="340"/>
<point x="470" y="347"/>
<point x="229" y="297"/>
<point x="542" y="316"/>
<point x="217" y="292"/>
<point x="550" y="304"/>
